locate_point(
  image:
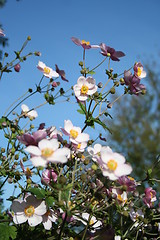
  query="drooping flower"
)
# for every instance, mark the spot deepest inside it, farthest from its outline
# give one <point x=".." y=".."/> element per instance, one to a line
<point x="48" y="218"/>
<point x="138" y="70"/>
<point x="85" y="87"/>
<point x="127" y="182"/>
<point x="30" y="209"/>
<point x="32" y="114"/>
<point x="61" y="73"/>
<point x="2" y="33"/>
<point x="133" y="82"/>
<point x="32" y="139"/>
<point x="111" y="52"/>
<point x="83" y="43"/>
<point x="75" y="133"/>
<point x="48" y="176"/>
<point x="48" y="151"/>
<point x="150" y="197"/>
<point x="47" y="71"/>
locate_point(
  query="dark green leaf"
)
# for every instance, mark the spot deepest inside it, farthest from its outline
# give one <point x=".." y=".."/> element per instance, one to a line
<point x="38" y="192"/>
<point x="7" y="232"/>
<point x="80" y="111"/>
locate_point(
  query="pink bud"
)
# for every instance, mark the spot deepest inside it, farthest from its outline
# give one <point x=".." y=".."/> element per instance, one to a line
<point x="17" y="67"/>
<point x="48" y="175"/>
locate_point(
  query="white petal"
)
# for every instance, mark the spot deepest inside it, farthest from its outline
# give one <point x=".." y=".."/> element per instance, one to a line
<point x="41" y="65"/>
<point x="92" y="91"/>
<point x="90" y="82"/>
<point x="68" y="125"/>
<point x="24" y="108"/>
<point x="18" y="206"/>
<point x="18" y="219"/>
<point x="55" y="144"/>
<point x="47" y="223"/>
<point x="82" y="97"/>
<point x="34" y="220"/>
<point x="45" y="143"/>
<point x="83" y="137"/>
<point x="33" y="150"/>
<point x="143" y="74"/>
<point x="110" y="175"/>
<point x="123" y="170"/>
<point x="39" y="162"/>
<point x="41" y="209"/>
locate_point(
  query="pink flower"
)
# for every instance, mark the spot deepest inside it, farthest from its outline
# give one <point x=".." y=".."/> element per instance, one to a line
<point x="83" y="43"/>
<point x="111" y="52"/>
<point x="48" y="176"/>
<point x="17" y="67"/>
<point x="138" y="70"/>
<point x="128" y="183"/>
<point x="85" y="87"/>
<point x="61" y="73"/>
<point x="150" y="197"/>
<point x="32" y="139"/>
<point x="2" y="33"/>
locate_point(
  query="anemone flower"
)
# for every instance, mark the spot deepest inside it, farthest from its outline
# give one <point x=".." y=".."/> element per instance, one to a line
<point x="111" y="52"/>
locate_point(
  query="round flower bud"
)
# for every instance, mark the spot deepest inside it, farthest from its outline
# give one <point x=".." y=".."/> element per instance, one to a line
<point x="81" y="63"/>
<point x="29" y="38"/>
<point x="30" y="90"/>
<point x="143" y="91"/>
<point x="17" y="67"/>
<point x="112" y="90"/>
<point x="83" y="176"/>
<point x="122" y="81"/>
<point x="62" y="180"/>
<point x="38" y="54"/>
<point x="2" y="150"/>
<point x="100" y="85"/>
<point x="94" y="167"/>
<point x="108" y="54"/>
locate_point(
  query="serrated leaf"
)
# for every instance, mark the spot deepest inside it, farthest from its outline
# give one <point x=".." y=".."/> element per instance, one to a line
<point x="49" y="201"/>
<point x="7" y="232"/>
<point x="38" y="192"/>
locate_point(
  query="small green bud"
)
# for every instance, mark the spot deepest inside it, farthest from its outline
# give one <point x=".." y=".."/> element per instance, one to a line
<point x="28" y="38"/>
<point x="13" y="130"/>
<point x="108" y="54"/>
<point x="125" y="213"/>
<point x="24" y="159"/>
<point x="90" y="142"/>
<point x="82" y="71"/>
<point x="29" y="181"/>
<point x="16" y="157"/>
<point x="122" y="80"/>
<point x="6" y="54"/>
<point x="30" y="90"/>
<point x="62" y="180"/>
<point x="116" y="83"/>
<point x="32" y="126"/>
<point x="143" y="91"/>
<point x="96" y="94"/>
<point x="112" y="90"/>
<point x="86" y="161"/>
<point x="94" y="167"/>
<point x="81" y="63"/>
<point x="83" y="177"/>
<point x="24" y="58"/>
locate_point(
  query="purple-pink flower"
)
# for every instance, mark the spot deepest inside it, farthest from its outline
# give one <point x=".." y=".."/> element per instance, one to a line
<point x="150" y="197"/>
<point x="128" y="183"/>
<point x="83" y="43"/>
<point x="61" y="73"/>
<point x="33" y="139"/>
<point x="111" y="52"/>
<point x="48" y="176"/>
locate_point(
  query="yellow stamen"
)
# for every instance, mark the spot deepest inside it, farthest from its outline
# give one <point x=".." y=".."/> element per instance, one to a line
<point x="139" y="71"/>
<point x="46" y="70"/>
<point x="46" y="152"/>
<point x="112" y="165"/>
<point x="131" y="178"/>
<point x="73" y="133"/>
<point x="28" y="171"/>
<point x="91" y="222"/>
<point x="119" y="198"/>
<point x="29" y="211"/>
<point x="84" y="89"/>
<point x="79" y="145"/>
<point x="85" y="42"/>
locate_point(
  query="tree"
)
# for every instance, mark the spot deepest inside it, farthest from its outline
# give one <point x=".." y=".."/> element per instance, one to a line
<point x="136" y="131"/>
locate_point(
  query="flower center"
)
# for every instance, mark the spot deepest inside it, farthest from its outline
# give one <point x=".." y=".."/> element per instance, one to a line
<point x="112" y="165"/>
<point x="79" y="146"/>
<point x="29" y="211"/>
<point x="73" y="133"/>
<point x="139" y="71"/>
<point x="91" y="222"/>
<point x="119" y="197"/>
<point x="46" y="70"/>
<point x="85" y="42"/>
<point x="84" y="89"/>
<point x="28" y="171"/>
<point x="46" y="152"/>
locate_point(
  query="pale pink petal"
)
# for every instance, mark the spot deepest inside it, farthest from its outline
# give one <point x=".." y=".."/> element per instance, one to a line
<point x="83" y="137"/>
<point x="92" y="91"/>
<point x="122" y="170"/>
<point x="90" y="82"/>
<point x="45" y="143"/>
<point x="82" y="97"/>
<point x="81" y="81"/>
<point x="24" y="108"/>
<point x="110" y="175"/>
<point x="143" y="74"/>
<point x="34" y="220"/>
<point x="68" y="125"/>
<point x="55" y="144"/>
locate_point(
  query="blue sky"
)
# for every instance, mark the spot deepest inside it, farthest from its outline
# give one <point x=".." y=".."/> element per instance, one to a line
<point x="129" y="26"/>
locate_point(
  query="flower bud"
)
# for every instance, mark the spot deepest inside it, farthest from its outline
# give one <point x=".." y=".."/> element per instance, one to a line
<point x="81" y="63"/>
<point x="100" y="85"/>
<point x="48" y="175"/>
<point x="17" y="67"/>
<point x="29" y="38"/>
<point x="112" y="90"/>
<point x="38" y="54"/>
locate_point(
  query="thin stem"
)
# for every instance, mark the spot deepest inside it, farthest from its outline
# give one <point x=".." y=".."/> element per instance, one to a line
<point x="98" y="65"/>
<point x="85" y="231"/>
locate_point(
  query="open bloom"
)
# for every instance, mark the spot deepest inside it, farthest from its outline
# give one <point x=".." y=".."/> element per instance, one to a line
<point x="121" y="195"/>
<point x="48" y="151"/>
<point x="47" y="71"/>
<point x="2" y="33"/>
<point x="95" y="151"/>
<point x="61" y="73"/>
<point x="30" y="209"/>
<point x="128" y="182"/>
<point x="83" y="43"/>
<point x="138" y="70"/>
<point x="111" y="52"/>
<point x="75" y="133"/>
<point x="28" y="113"/>
<point x="112" y="164"/>
<point x="84" y="88"/>
<point x="150" y="197"/>
<point x="48" y="218"/>
<point x="135" y="216"/>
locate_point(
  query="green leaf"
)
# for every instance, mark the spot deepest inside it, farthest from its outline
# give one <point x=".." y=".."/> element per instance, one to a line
<point x="82" y="107"/>
<point x="91" y="72"/>
<point x="80" y="111"/>
<point x="7" y="232"/>
<point x="49" y="201"/>
<point x="97" y="120"/>
<point x="38" y="192"/>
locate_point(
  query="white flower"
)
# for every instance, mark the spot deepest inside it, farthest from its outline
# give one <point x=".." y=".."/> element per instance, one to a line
<point x="28" y="113"/>
<point x="117" y="237"/>
<point x="48" y="218"/>
<point x="75" y="133"/>
<point x="2" y="33"/>
<point x="47" y="151"/>
<point x="30" y="209"/>
<point x="121" y="196"/>
<point x="47" y="71"/>
<point x="84" y="88"/>
<point x="135" y="216"/>
<point x="113" y="164"/>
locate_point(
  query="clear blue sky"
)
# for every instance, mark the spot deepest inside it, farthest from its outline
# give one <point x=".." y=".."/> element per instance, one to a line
<point x="130" y="26"/>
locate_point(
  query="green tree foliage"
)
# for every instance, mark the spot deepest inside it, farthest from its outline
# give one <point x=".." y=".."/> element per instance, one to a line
<point x="136" y="127"/>
<point x="3" y="40"/>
